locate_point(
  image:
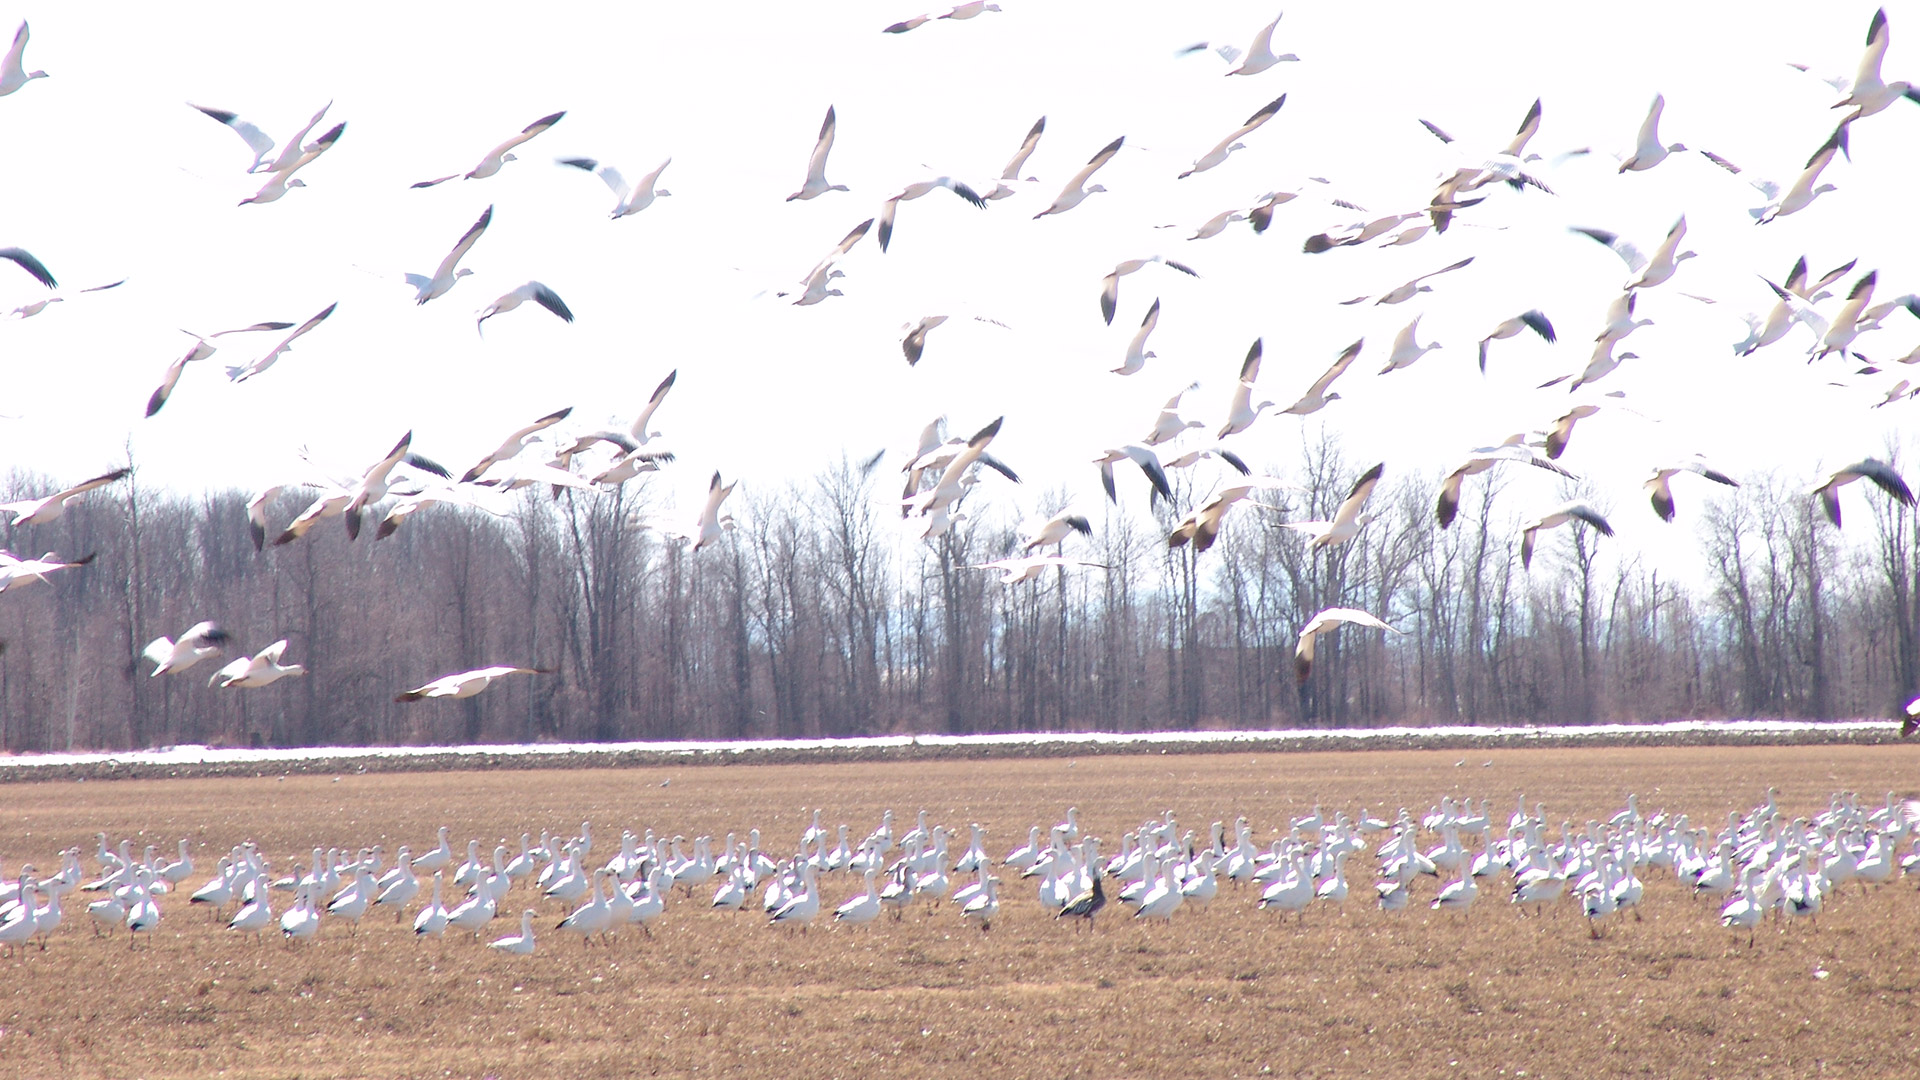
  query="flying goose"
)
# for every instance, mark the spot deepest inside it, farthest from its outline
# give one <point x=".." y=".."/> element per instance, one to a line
<point x="1534" y="320"/>
<point x="249" y="370"/>
<point x="1868" y="94"/>
<point x="1056" y="529"/>
<point x="465" y="684"/>
<point x="1846" y="325"/>
<point x="1515" y="448"/>
<point x="1810" y="289"/>
<point x="626" y="467"/>
<point x="1507" y="165"/>
<point x="1228" y="145"/>
<point x="962" y="11"/>
<point x="1259" y="55"/>
<point x="499" y="155"/>
<point x="1601" y="364"/>
<point x="13" y="72"/>
<point x="1076" y="190"/>
<point x="199" y="642"/>
<point x="1019" y="570"/>
<point x="458" y="494"/>
<point x="49" y="508"/>
<point x="281" y="177"/>
<point x="514" y="443"/>
<point x="1407" y="291"/>
<point x="1561" y="431"/>
<point x="203" y="347"/>
<point x="374" y="484"/>
<point x="816" y="182"/>
<point x="954" y="458"/>
<point x="1651" y="271"/>
<point x="1168" y="424"/>
<point x="1648" y="151"/>
<point x="710" y="525"/>
<point x="1316" y="397"/>
<point x="1241" y="411"/>
<point x="1873" y="469"/>
<point x="820" y="271"/>
<point x="1018" y="162"/>
<point x="1406" y="350"/>
<point x="1193" y="457"/>
<point x="15" y="570"/>
<point x="1553" y="519"/>
<point x="1660" y="489"/>
<point x="917" y="189"/>
<point x="635" y="436"/>
<point x="628" y="198"/>
<point x="261" y="669"/>
<point x="1148" y="461"/>
<point x="445" y="275"/>
<point x="1137" y="352"/>
<point x="31" y="265"/>
<point x="1620" y="320"/>
<point x="258" y="141"/>
<point x="1110" y="285"/>
<point x="1803" y="191"/>
<point x="1789" y="310"/>
<point x="1324" y="622"/>
<point x="1203" y="525"/>
<point x="532" y="290"/>
<point x="914" y="344"/>
<point x="1346" y="523"/>
<point x="35" y="307"/>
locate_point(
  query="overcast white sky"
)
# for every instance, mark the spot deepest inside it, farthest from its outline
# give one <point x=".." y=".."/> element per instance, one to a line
<point x="106" y="173"/>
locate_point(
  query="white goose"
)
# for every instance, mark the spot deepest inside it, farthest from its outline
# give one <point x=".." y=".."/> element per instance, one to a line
<point x="465" y="684"/>
<point x="13" y="72"/>
<point x="199" y="642"/>
<point x="281" y="178"/>
<point x="1260" y="55"/>
<point x="1076" y="190"/>
<point x="1316" y="397"/>
<point x="1110" y="285"/>
<point x="1018" y="162"/>
<point x="261" y="669"/>
<point x="532" y="290"/>
<point x="51" y="507"/>
<point x="1347" y="520"/>
<point x="816" y="182"/>
<point x="1137" y="352"/>
<point x="1553" y="519"/>
<point x="497" y="157"/>
<point x="628" y="198"/>
<point x="248" y="370"/>
<point x="914" y="191"/>
<point x="449" y="271"/>
<point x="520" y="944"/>
<point x="1326" y="621"/>
<point x="1228" y="145"/>
<point x="1241" y="412"/>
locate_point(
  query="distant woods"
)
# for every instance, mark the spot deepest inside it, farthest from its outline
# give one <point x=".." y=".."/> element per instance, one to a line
<point x="818" y="615"/>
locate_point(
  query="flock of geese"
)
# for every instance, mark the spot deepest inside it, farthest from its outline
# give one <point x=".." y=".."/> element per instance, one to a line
<point x="941" y="471"/>
<point x="1756" y="863"/>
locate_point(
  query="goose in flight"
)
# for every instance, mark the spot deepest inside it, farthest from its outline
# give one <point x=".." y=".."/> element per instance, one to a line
<point x="1803" y="191"/>
<point x="1534" y="320"/>
<point x="1347" y="521"/>
<point x="281" y="177"/>
<point x="1193" y="457"/>
<point x="249" y="370"/>
<point x="261" y="669"/>
<point x="199" y="642"/>
<point x="1401" y="293"/>
<point x="1228" y="145"/>
<point x="1148" y="461"/>
<point x="515" y="443"/>
<point x="711" y="523"/>
<point x="1168" y="425"/>
<point x="465" y="684"/>
<point x="25" y="261"/>
<point x="1882" y="475"/>
<point x="35" y="307"/>
<point x="914" y="344"/>
<point x="816" y="182"/>
<point x="1316" y="397"/>
<point x="1214" y="225"/>
<point x="1553" y="519"/>
<point x="823" y="271"/>
<point x="1137" y="352"/>
<point x="962" y="11"/>
<point x="635" y="436"/>
<point x="628" y="198"/>
<point x="373" y="484"/>
<point x="1406" y="350"/>
<point x="1601" y="364"/>
<point x="13" y="72"/>
<point x="445" y="275"/>
<point x="915" y="190"/>
<point x="1515" y="448"/>
<point x="1812" y="289"/>
<point x="1660" y="488"/>
<point x="1791" y="308"/>
<point x="1324" y="622"/>
<point x="1055" y="530"/>
<point x="1259" y="55"/>
<point x="1019" y="570"/>
<point x="259" y="141"/>
<point x="954" y="463"/>
<point x="1847" y="324"/>
<point x="1648" y="150"/>
<point x="1110" y="285"/>
<point x="15" y="570"/>
<point x="532" y="290"/>
<point x="1076" y="190"/>
<point x="203" y="348"/>
<point x="1620" y="320"/>
<point x="1241" y="411"/>
<point x="499" y="155"/>
<point x="1561" y="432"/>
<point x="458" y="494"/>
<point x="1867" y="95"/>
<point x="1019" y="161"/>
<point x="1652" y="271"/>
<point x="1203" y="525"/>
<point x="49" y="508"/>
<point x="1507" y="166"/>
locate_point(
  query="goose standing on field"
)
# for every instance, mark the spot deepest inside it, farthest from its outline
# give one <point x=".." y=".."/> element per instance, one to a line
<point x="914" y="191"/>
<point x="1558" y="516"/>
<point x="199" y="642"/>
<point x="1110" y="285"/>
<point x="34" y="267"/>
<point x="1533" y="320"/>
<point x="465" y="684"/>
<point x="261" y="669"/>
<point x="13" y="72"/>
<point x="532" y="290"/>
<point x="281" y="179"/>
<point x="629" y="198"/>
<point x="446" y="274"/>
<point x="1228" y="145"/>
<point x="816" y="182"/>
<point x="50" y="507"/>
<point x="1882" y="474"/>
<point x="1661" y="490"/>
<point x="1019" y="161"/>
<point x="499" y="155"/>
<point x="515" y="443"/>
<point x="1076" y="190"/>
<point x="1346" y="523"/>
<point x="1326" y="621"/>
<point x="520" y="944"/>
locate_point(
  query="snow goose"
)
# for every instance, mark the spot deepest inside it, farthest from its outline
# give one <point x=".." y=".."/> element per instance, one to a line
<point x="984" y="907"/>
<point x="374" y="482"/>
<point x="51" y="507"/>
<point x="1883" y="476"/>
<point x="1017" y="571"/>
<point x="1076" y="190"/>
<point x="1651" y="271"/>
<point x="281" y="177"/>
<point x="816" y="182"/>
<point x="34" y="267"/>
<point x="403" y="887"/>
<point x="1316" y="397"/>
<point x="1203" y="525"/>
<point x="801" y="909"/>
<point x="532" y="290"/>
<point x="1558" y="516"/>
<point x="1052" y="532"/>
<point x="520" y="944"/>
<point x="962" y="11"/>
<point x="1347" y="522"/>
<point x="1648" y="150"/>
<point x="914" y="191"/>
<point x="474" y="913"/>
<point x="255" y="916"/>
<point x="203" y="348"/>
<point x="514" y="443"/>
<point x="1506" y="166"/>
<point x="1910" y="718"/>
<point x="711" y="524"/>
<point x="628" y="198"/>
<point x="261" y="669"/>
<point x="1515" y="448"/>
<point x="1168" y="425"/>
<point x="1847" y="323"/>
<point x="956" y="462"/>
<point x="1458" y="895"/>
<point x="258" y="141"/>
<point x="199" y="642"/>
<point x="1018" y="162"/>
<point x="1661" y="490"/>
<point x="1407" y="290"/>
<point x="13" y="72"/>
<point x="1561" y="431"/>
<point x="1868" y="94"/>
<point x="465" y="684"/>
<point x="19" y="925"/>
<point x="1027" y="854"/>
<point x="862" y="908"/>
<point x="1326" y="621"/>
<point x="624" y="468"/>
<point x="1601" y="364"/>
<point x="29" y="310"/>
<point x="1534" y="320"/>
<point x="255" y="367"/>
<point x="499" y="155"/>
<point x="1241" y="412"/>
<point x="1137" y="352"/>
<point x="1110" y="285"/>
<point x="1803" y="191"/>
<point x="1259" y="55"/>
<point x="1406" y="349"/>
<point x="1228" y="145"/>
<point x="591" y="917"/>
<point x="1148" y="461"/>
<point x="914" y="344"/>
<point x="449" y="271"/>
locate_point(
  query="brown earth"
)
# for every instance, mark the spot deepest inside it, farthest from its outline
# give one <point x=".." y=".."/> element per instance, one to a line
<point x="1232" y="991"/>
